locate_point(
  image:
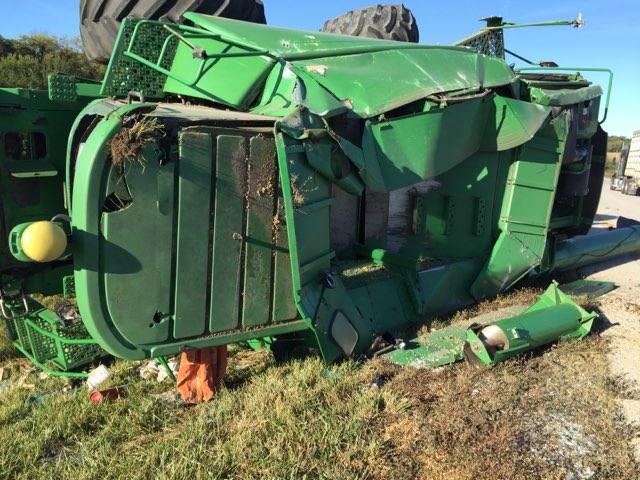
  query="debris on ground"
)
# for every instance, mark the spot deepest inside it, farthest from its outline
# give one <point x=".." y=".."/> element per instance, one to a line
<point x="40" y="398"/>
<point x="154" y="369"/>
<point x="171" y="398"/>
<point x="108" y="395"/>
<point x="97" y="376"/>
<point x="201" y="372"/>
<point x="543" y="416"/>
<point x="554" y="316"/>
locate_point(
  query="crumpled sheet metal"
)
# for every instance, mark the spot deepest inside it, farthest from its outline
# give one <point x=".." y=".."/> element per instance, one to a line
<point x="368" y="75"/>
<point x="373" y="83"/>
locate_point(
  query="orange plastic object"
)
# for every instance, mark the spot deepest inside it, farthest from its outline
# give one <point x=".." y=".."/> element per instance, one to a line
<point x="201" y="372"/>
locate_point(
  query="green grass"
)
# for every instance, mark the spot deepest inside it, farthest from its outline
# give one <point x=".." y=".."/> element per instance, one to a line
<point x="548" y="415"/>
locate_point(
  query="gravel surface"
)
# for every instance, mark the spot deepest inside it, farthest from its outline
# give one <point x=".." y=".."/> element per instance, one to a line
<point x="622" y="306"/>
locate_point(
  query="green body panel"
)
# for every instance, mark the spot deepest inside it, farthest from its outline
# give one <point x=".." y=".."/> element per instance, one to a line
<point x="307" y="195"/>
<point x="580" y="251"/>
<point x="89" y="191"/>
<point x="589" y="289"/>
<point x="241" y="66"/>
<point x="563" y="96"/>
<point x="227" y="249"/>
<point x="526" y="211"/>
<point x="357" y="80"/>
<point x="194" y="207"/>
<point x="407" y="150"/>
<point x="259" y="256"/>
<point x="439" y="348"/>
<point x="515" y="122"/>
<point x="456" y="217"/>
<point x="128" y="262"/>
<point x="32" y="159"/>
<point x="199" y="227"/>
<point x="553" y="317"/>
<point x="276" y="97"/>
<point x="290" y="44"/>
<point x="33" y="128"/>
<point x="248" y="73"/>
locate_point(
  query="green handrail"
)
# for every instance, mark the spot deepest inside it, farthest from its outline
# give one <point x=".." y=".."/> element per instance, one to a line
<point x="49" y="371"/>
<point x="53" y="336"/>
<point x="198" y="51"/>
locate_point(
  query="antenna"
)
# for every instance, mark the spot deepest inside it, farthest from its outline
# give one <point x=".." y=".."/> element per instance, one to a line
<point x="579" y="21"/>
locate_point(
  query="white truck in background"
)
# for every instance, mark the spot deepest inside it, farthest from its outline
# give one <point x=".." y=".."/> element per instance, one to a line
<point x="627" y="175"/>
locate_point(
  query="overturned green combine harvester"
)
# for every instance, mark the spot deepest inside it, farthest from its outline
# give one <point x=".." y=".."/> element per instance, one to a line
<point x="241" y="182"/>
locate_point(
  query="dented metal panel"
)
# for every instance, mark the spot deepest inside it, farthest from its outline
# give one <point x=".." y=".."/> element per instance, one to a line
<point x="376" y="82"/>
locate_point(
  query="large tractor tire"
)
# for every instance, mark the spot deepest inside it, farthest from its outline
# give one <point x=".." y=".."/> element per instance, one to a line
<point x="389" y="22"/>
<point x="100" y="19"/>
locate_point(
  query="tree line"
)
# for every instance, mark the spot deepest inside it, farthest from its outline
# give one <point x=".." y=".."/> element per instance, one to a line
<point x="27" y="61"/>
<point x="616" y="142"/>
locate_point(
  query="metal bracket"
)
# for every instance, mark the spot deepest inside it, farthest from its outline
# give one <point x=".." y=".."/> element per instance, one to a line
<point x="6" y="311"/>
<point x="579" y="69"/>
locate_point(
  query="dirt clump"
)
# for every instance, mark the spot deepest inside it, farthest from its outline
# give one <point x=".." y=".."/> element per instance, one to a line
<point x="129" y="142"/>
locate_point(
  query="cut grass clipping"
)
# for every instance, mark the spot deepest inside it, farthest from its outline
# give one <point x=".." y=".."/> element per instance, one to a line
<point x="129" y="142"/>
<point x="550" y="415"/>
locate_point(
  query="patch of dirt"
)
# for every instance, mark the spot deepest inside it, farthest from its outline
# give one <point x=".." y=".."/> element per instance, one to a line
<point x="620" y="309"/>
<point x="544" y="416"/>
<point x="267" y="185"/>
<point x="296" y="192"/>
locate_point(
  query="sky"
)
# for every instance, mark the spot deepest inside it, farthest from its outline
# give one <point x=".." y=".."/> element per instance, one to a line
<point x="611" y="37"/>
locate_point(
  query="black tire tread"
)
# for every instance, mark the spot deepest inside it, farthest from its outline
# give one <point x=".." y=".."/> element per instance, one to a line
<point x="389" y="22"/>
<point x="100" y="19"/>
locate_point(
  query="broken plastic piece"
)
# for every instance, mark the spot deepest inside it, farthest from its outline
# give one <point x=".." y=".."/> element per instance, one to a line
<point x="97" y="376"/>
<point x="201" y="372"/>
<point x="160" y="369"/>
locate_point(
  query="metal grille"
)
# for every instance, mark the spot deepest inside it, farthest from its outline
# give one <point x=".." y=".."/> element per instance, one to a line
<point x="58" y="347"/>
<point x="489" y="42"/>
<point x="62" y="88"/>
<point x="125" y="74"/>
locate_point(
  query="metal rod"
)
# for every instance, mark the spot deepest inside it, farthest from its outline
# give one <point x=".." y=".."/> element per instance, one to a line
<point x="163" y="362"/>
<point x="555" y="23"/>
<point x="519" y="57"/>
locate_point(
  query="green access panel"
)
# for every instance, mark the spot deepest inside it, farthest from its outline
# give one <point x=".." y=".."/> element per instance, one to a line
<point x="197" y="255"/>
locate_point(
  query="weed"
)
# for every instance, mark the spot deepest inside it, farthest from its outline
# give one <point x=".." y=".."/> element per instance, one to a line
<point x="129" y="142"/>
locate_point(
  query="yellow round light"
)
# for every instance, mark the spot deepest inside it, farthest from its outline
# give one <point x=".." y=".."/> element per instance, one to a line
<point x="43" y="241"/>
